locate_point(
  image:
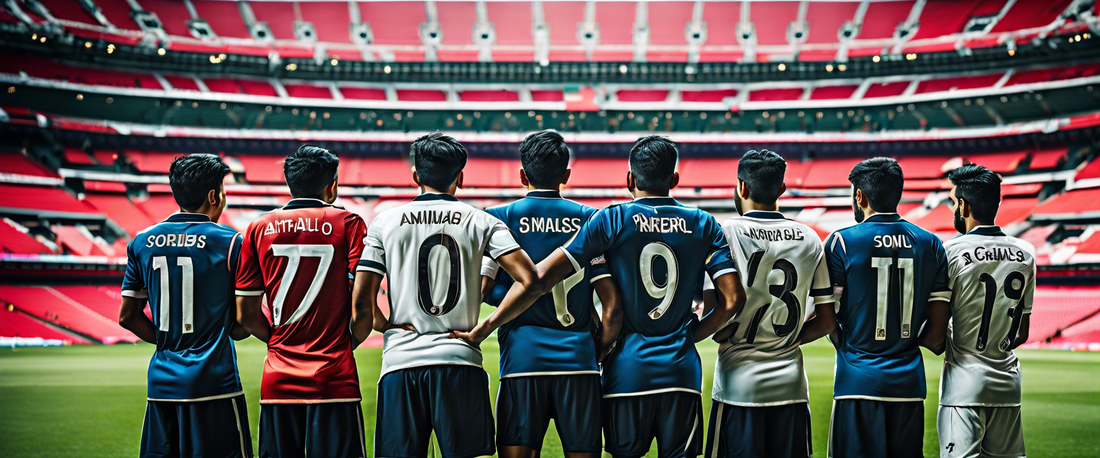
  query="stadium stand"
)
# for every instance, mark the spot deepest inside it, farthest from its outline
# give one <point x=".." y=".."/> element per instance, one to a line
<point x="19" y="324"/>
<point x="53" y="307"/>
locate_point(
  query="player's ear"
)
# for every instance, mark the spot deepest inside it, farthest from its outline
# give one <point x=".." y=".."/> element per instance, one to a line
<point x="416" y="178"/>
<point x="861" y="198"/>
<point x="675" y="180"/>
<point x="630" y="181"/>
<point x="742" y="189"/>
<point x="458" y="181"/>
<point x="523" y="178"/>
<point x="565" y="178"/>
<point x="782" y="189"/>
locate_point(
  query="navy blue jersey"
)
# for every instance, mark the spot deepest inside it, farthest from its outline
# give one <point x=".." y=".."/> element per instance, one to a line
<point x="185" y="265"/>
<point x="887" y="269"/>
<point x="554" y="335"/>
<point x="657" y="251"/>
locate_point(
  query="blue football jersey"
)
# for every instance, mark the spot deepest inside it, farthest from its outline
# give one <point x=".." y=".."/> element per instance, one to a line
<point x="887" y="270"/>
<point x="657" y="251"/>
<point x="185" y="266"/>
<point x="554" y="335"/>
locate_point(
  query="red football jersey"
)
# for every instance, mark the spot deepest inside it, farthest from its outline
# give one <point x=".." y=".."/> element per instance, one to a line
<point x="302" y="256"/>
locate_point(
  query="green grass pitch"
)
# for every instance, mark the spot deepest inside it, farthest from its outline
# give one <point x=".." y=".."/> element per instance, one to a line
<point x="88" y="401"/>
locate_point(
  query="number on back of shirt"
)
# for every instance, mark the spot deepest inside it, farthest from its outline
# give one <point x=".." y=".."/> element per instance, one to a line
<point x="782" y="291"/>
<point x="424" y="274"/>
<point x="895" y="291"/>
<point x="1014" y="290"/>
<point x="294" y="255"/>
<point x="187" y="293"/>
<point x="661" y="291"/>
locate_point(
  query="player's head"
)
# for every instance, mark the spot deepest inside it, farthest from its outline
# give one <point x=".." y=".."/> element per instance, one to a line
<point x="759" y="179"/>
<point x="975" y="195"/>
<point x="311" y="173"/>
<point x="198" y="184"/>
<point x="438" y="161"/>
<point x="876" y="184"/>
<point x="653" y="165"/>
<point x="545" y="159"/>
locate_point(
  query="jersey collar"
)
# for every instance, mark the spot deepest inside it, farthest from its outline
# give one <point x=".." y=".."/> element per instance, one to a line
<point x="987" y="230"/>
<point x="304" y="202"/>
<point x="764" y="214"/>
<point x="181" y="217"/>
<point x="430" y="196"/>
<point x="544" y="194"/>
<point x="883" y="218"/>
<point x="657" y="201"/>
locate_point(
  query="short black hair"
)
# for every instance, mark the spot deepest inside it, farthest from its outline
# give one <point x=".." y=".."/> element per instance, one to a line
<point x="193" y="176"/>
<point x="653" y="162"/>
<point x="545" y="158"/>
<point x="309" y="170"/>
<point x="438" y="160"/>
<point x="981" y="188"/>
<point x="762" y="172"/>
<point x="881" y="180"/>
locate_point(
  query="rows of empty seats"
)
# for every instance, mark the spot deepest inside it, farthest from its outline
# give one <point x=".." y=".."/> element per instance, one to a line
<point x="397" y="24"/>
<point x="1062" y="306"/>
<point x="56" y="308"/>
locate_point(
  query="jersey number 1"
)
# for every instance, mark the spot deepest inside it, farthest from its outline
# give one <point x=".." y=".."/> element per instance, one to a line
<point x="890" y="281"/>
<point x="187" y="293"/>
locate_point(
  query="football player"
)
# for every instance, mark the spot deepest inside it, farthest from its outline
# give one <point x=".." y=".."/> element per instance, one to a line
<point x="761" y="396"/>
<point x="302" y="256"/>
<point x="184" y="267"/>
<point x="548" y="359"/>
<point x="431" y="251"/>
<point x="891" y="277"/>
<point x="657" y="251"/>
<point x="992" y="280"/>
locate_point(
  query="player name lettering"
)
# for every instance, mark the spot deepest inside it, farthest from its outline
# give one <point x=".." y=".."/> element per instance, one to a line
<point x="541" y="224"/>
<point x="983" y="254"/>
<point x="892" y="241"/>
<point x="282" y="226"/>
<point x="662" y="225"/>
<point x="176" y="240"/>
<point x="431" y="217"/>
<point x="774" y="235"/>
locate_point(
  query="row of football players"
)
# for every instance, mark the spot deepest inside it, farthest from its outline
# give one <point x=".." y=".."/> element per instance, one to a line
<point x="879" y="288"/>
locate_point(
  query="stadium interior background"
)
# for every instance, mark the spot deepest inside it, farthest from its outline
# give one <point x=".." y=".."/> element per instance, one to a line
<point x="98" y="96"/>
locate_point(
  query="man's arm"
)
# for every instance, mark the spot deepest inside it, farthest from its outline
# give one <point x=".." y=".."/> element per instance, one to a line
<point x="250" y="315"/>
<point x="364" y="302"/>
<point x="822" y="324"/>
<point x="131" y="316"/>
<point x="487" y="285"/>
<point x="238" y="332"/>
<point x="934" y="335"/>
<point x="729" y="300"/>
<point x="531" y="283"/>
<point x="612" y="316"/>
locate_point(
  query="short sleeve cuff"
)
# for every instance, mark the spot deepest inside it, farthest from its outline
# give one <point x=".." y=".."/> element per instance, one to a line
<point x="135" y="294"/>
<point x="366" y="265"/>
<point x="503" y="251"/>
<point x="600" y="277"/>
<point x="821" y="292"/>
<point x="721" y="272"/>
<point x="249" y="293"/>
<point x="489" y="268"/>
<point x="944" y="296"/>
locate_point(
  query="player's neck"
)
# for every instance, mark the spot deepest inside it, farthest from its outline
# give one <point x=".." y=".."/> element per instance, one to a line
<point x="750" y="206"/>
<point x="972" y="224"/>
<point x="431" y="190"/>
<point x="639" y="194"/>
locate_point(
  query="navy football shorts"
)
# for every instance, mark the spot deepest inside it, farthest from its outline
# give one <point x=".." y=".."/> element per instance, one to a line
<point x="331" y="429"/>
<point x="675" y="419"/>
<point x="775" y="431"/>
<point x="525" y="406"/>
<point x="452" y="400"/>
<point x="216" y="428"/>
<point x="862" y="427"/>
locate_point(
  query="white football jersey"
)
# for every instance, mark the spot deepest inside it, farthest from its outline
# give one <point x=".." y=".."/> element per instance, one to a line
<point x="430" y="250"/>
<point x="992" y="279"/>
<point x="782" y="265"/>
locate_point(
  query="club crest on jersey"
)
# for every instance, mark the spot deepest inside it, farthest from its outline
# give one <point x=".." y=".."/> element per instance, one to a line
<point x="659" y="224"/>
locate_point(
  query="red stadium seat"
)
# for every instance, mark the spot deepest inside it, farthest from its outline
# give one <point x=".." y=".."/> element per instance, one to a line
<point x="280" y="18"/>
<point x="1048" y="158"/>
<point x="119" y="209"/>
<point x="630" y="95"/>
<point x="361" y="93"/>
<point x="182" y="83"/>
<point x="262" y="169"/>
<point x="308" y="91"/>
<point x="418" y="95"/>
<point x="41" y="198"/>
<point x="707" y="96"/>
<point x="886" y="89"/>
<point x="19" y="324"/>
<point x="882" y="19"/>
<point x="457" y="20"/>
<point x="767" y="95"/>
<point x="1082" y="203"/>
<point x="50" y="305"/>
<point x="394" y="23"/>
<point x="1062" y="306"/>
<point x="488" y="96"/>
<point x="771" y="19"/>
<point x="945" y="18"/>
<point x="118" y="13"/>
<point x="173" y="15"/>
<point x="829" y="173"/>
<point x="955" y="83"/>
<point x="158" y="207"/>
<point x="547" y="96"/>
<point x="14" y="240"/>
<point x="826" y="18"/>
<point x="330" y="19"/>
<point x="152" y="161"/>
<point x="833" y="92"/>
<point x="511" y="22"/>
<point x="667" y="22"/>
<point x="19" y="164"/>
<point x="1092" y="170"/>
<point x="1025" y="15"/>
<point x="76" y="156"/>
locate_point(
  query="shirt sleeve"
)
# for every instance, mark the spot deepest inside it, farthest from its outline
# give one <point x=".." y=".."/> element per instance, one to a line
<point x="719" y="261"/>
<point x="489" y="267"/>
<point x="373" y="258"/>
<point x="500" y="240"/>
<point x="599" y="269"/>
<point x="836" y="260"/>
<point x="593" y="239"/>
<point x="822" y="288"/>
<point x="250" y="280"/>
<point x="708" y="284"/>
<point x="234" y="259"/>
<point x="355" y="231"/>
<point x="133" y="285"/>
<point x="940" y="289"/>
<point x="1029" y="288"/>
